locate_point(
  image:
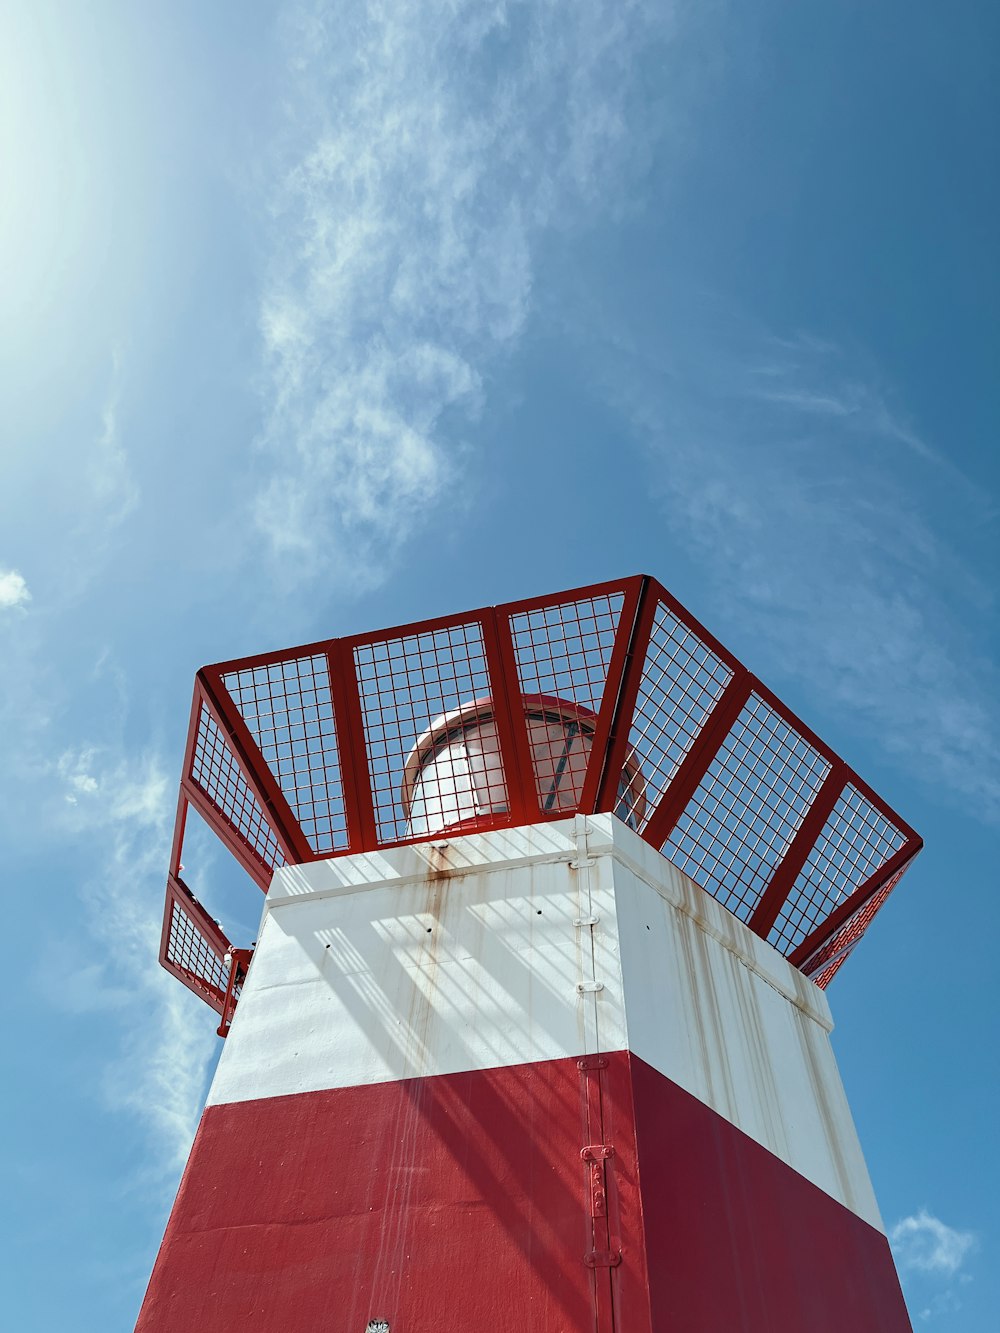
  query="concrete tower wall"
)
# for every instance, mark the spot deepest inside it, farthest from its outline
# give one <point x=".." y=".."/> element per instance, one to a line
<point x="531" y="1079"/>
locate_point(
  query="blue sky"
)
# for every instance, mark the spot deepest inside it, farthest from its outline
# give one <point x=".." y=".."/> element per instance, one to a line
<point x="318" y="319"/>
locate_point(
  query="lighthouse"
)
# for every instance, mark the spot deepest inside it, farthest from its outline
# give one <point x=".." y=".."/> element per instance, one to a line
<point x="534" y="1034"/>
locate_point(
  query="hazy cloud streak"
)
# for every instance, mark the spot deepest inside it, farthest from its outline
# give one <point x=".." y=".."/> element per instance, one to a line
<point x="158" y="1073"/>
<point x="114" y="489"/>
<point x="788" y="473"/>
<point x="430" y="147"/>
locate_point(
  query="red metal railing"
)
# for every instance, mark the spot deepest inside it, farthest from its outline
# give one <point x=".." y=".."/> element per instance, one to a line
<point x="300" y="755"/>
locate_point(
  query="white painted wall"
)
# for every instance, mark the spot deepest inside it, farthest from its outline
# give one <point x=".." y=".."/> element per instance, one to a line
<point x="480" y="952"/>
<point x="721" y="1013"/>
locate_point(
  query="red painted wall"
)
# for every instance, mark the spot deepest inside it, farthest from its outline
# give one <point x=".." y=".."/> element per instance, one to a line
<point x="451" y="1202"/>
<point x="738" y="1241"/>
<point x="462" y="1202"/>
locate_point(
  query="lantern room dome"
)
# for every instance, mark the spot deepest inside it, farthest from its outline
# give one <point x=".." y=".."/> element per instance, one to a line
<point x="453" y="777"/>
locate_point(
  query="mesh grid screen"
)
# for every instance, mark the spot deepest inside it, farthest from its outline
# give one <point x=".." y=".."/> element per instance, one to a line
<point x="217" y="773"/>
<point x="855" y="841"/>
<point x="433" y="746"/>
<point x="739" y="823"/>
<point x="406" y="684"/>
<point x="188" y="949"/>
<point x="289" y="712"/>
<point x="564" y="652"/>
<point x="828" y="960"/>
<point x="682" y="680"/>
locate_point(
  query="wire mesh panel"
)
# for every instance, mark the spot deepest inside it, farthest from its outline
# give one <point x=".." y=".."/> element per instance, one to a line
<point x="288" y="709"/>
<point x="563" y="654"/>
<point x="564" y="650"/>
<point x="738" y="826"/>
<point x="193" y="947"/>
<point x="682" y="681"/>
<point x="855" y="841"/>
<point x="219" y="776"/>
<point x="822" y="966"/>
<point x="607" y="698"/>
<point x="409" y="687"/>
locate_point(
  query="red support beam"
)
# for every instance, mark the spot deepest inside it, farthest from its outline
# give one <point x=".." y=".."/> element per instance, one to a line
<point x="180" y="820"/>
<point x="773" y="898"/>
<point x="610" y="746"/>
<point x="362" y="829"/>
<point x="828" y="928"/>
<point x="508" y="710"/>
<point x="696" y="763"/>
<point x="239" y="962"/>
<point x="256" y="773"/>
<point x="255" y="866"/>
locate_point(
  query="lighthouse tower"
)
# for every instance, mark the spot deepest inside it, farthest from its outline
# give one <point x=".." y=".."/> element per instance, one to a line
<point x="534" y="1035"/>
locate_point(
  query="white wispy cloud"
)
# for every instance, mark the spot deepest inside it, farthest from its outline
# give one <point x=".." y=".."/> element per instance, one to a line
<point x="13" y="589"/>
<point x="102" y="493"/>
<point x="114" y="490"/>
<point x="821" y="519"/>
<point x="932" y="1259"/>
<point x="159" y="1068"/>
<point x="813" y="376"/>
<point x="430" y="146"/>
<point x="120" y="790"/>
<point x="922" y="1242"/>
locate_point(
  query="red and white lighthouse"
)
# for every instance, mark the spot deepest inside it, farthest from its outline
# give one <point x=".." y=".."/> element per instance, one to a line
<point x="534" y="1034"/>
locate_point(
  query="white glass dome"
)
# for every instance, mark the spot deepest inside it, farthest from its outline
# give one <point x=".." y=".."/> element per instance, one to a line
<point x="453" y="776"/>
